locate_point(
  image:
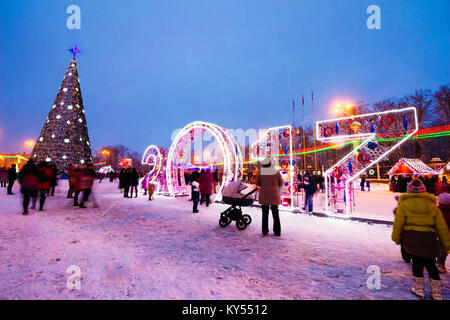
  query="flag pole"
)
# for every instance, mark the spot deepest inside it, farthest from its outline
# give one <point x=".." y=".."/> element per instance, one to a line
<point x="293" y="112"/>
<point x="314" y="131"/>
<point x="304" y="146"/>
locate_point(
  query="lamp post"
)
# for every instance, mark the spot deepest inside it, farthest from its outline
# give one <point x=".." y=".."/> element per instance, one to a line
<point x="28" y="146"/>
<point x="106" y="153"/>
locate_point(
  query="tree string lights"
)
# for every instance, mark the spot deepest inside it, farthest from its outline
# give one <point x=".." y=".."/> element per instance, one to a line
<point x="64" y="139"/>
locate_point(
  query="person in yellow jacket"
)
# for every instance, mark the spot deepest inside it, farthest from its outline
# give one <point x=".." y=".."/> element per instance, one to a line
<point x="150" y="190"/>
<point x="418" y="224"/>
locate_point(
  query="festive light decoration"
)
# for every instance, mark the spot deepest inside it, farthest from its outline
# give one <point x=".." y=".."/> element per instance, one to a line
<point x="155" y="157"/>
<point x="61" y="131"/>
<point x="176" y="160"/>
<point x="367" y="154"/>
<point x="126" y="162"/>
<point x="263" y="147"/>
<point x="406" y="166"/>
<point x="106" y="169"/>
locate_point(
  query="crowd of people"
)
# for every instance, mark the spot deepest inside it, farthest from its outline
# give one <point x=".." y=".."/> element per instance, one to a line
<point x="203" y="184"/>
<point x="421" y="223"/>
<point x="432" y="183"/>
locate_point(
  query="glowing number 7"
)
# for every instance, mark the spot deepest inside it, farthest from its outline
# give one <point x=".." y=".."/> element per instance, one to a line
<point x="376" y="128"/>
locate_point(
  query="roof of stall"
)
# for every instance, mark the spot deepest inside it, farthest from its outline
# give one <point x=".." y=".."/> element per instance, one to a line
<point x="406" y="166"/>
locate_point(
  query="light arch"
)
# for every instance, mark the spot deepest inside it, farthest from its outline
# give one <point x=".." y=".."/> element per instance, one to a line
<point x="232" y="155"/>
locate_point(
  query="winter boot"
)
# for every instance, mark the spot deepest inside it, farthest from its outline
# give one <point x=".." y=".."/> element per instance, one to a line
<point x="436" y="289"/>
<point x="419" y="287"/>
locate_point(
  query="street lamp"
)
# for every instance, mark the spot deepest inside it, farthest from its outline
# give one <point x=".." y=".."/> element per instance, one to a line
<point x="105" y="153"/>
<point x="345" y="111"/>
<point x="28" y="145"/>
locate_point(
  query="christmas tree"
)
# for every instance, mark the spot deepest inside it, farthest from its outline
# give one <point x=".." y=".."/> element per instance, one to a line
<point x="64" y="139"/>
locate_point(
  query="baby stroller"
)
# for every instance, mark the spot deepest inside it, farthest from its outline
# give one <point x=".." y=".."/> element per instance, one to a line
<point x="232" y="195"/>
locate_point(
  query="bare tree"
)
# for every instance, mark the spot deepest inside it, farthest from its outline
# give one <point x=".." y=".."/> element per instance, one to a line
<point x="442" y="105"/>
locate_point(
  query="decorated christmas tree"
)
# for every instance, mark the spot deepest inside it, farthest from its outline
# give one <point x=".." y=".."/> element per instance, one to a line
<point x="64" y="139"/>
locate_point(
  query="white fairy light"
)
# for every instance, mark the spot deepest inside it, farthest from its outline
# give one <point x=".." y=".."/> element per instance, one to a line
<point x="80" y="120"/>
<point x="64" y="157"/>
<point x="41" y="139"/>
<point x="58" y="116"/>
<point x="70" y="107"/>
<point x="68" y="121"/>
<point x="66" y="140"/>
<point x="81" y="161"/>
<point x="65" y="89"/>
<point x="48" y="159"/>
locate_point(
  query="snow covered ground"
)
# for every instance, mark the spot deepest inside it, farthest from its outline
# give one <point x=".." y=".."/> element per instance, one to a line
<point x="137" y="249"/>
<point x="376" y="205"/>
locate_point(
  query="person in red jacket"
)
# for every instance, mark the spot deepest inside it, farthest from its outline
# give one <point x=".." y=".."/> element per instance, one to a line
<point x="44" y="184"/>
<point x="444" y="206"/>
<point x="206" y="186"/>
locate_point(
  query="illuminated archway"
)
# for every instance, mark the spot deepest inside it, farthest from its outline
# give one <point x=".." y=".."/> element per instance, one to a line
<point x="153" y="156"/>
<point x="177" y="157"/>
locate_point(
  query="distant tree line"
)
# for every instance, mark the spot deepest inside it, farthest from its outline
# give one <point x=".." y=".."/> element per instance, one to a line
<point x="433" y="110"/>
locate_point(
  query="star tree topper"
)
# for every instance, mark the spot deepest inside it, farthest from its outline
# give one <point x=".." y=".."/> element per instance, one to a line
<point x="74" y="50"/>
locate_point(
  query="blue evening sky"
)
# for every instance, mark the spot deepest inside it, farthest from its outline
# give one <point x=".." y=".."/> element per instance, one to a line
<point x="149" y="67"/>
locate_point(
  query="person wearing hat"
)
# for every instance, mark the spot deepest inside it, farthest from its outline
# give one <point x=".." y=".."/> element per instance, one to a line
<point x="418" y="223"/>
<point x="269" y="180"/>
<point x="444" y="206"/>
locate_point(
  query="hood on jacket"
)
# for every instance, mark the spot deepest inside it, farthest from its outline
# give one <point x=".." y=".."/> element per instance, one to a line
<point x="268" y="167"/>
<point x="444" y="200"/>
<point x="421" y="203"/>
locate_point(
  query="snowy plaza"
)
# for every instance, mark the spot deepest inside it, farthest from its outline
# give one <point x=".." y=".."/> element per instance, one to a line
<point x="198" y="153"/>
<point x="130" y="249"/>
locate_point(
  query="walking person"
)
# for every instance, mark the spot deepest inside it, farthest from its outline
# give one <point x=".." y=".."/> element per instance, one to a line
<point x="12" y="176"/>
<point x="44" y="184"/>
<point x="363" y="182"/>
<point x="126" y="182"/>
<point x="71" y="174"/>
<point x="206" y="186"/>
<point x="28" y="179"/>
<point x="88" y="176"/>
<point x="150" y="191"/>
<point x="195" y="195"/>
<point x="310" y="188"/>
<point x="419" y="223"/>
<point x="269" y="180"/>
<point x="53" y="179"/>
<point x="134" y="182"/>
<point x="121" y="179"/>
<point x="3" y="177"/>
<point x="145" y="182"/>
<point x="77" y="184"/>
<point x="216" y="180"/>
